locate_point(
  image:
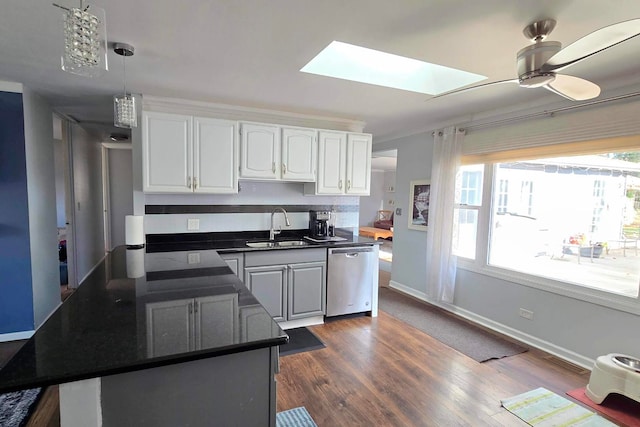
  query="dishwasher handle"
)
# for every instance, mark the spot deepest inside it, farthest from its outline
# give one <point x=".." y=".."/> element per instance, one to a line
<point x="351" y="252"/>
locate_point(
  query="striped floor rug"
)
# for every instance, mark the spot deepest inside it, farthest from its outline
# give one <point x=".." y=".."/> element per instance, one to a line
<point x="543" y="408"/>
<point x="296" y="417"/>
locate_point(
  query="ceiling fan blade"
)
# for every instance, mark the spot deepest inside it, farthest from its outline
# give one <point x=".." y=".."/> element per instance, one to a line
<point x="589" y="45"/>
<point x="573" y="88"/>
<point x="468" y="89"/>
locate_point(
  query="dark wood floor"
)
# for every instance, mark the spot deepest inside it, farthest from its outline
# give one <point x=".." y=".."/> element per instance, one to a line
<point x="382" y="372"/>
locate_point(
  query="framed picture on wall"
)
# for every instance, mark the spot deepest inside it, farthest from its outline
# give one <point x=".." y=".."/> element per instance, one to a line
<point x="419" y="204"/>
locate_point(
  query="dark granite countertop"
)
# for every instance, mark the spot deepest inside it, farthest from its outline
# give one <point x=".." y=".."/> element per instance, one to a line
<point x="114" y="322"/>
<point x="235" y="241"/>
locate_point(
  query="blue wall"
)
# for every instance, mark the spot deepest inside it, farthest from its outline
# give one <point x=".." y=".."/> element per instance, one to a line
<point x="16" y="296"/>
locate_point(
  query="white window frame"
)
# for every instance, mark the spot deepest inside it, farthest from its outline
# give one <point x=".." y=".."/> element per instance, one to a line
<point x="481" y="265"/>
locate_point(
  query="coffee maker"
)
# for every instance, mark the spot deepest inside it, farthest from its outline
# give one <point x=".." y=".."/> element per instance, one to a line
<point x="319" y="224"/>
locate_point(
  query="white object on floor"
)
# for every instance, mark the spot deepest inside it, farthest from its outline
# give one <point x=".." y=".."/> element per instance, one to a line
<point x="614" y="373"/>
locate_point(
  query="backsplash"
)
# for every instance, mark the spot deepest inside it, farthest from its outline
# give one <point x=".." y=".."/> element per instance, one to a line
<point x="249" y="210"/>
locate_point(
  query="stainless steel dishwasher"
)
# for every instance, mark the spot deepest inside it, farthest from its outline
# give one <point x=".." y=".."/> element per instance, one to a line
<point x="350" y="280"/>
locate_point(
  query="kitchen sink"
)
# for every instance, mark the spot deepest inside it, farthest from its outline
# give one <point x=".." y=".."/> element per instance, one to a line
<point x="293" y="243"/>
<point x="282" y="244"/>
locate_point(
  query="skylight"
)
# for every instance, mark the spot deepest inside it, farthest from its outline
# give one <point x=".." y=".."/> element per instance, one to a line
<point x="360" y="64"/>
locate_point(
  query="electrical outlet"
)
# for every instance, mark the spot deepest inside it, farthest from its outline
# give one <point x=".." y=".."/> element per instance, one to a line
<point x="193" y="224"/>
<point x="398" y="211"/>
<point x="193" y="258"/>
<point x="527" y="314"/>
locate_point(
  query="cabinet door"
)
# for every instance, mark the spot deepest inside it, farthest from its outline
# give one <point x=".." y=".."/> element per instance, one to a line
<point x="358" y="164"/>
<point x="217" y="321"/>
<point x="215" y="161"/>
<point x="260" y="151"/>
<point x="299" y="150"/>
<point x="269" y="286"/>
<point x="235" y="261"/>
<point x="306" y="289"/>
<point x="170" y="328"/>
<point x="331" y="163"/>
<point x="166" y="152"/>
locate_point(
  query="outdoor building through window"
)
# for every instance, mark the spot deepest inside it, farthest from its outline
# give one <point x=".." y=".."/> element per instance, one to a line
<point x="571" y="219"/>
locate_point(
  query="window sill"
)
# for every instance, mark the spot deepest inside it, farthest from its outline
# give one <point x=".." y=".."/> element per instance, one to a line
<point x="583" y="293"/>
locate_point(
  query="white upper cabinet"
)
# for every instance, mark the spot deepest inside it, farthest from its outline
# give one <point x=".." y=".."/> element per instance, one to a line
<point x="277" y="153"/>
<point x="344" y="164"/>
<point x="260" y="151"/>
<point x="331" y="162"/>
<point x="185" y="154"/>
<point x="166" y="152"/>
<point x="298" y="154"/>
<point x="216" y="156"/>
<point x="358" y="164"/>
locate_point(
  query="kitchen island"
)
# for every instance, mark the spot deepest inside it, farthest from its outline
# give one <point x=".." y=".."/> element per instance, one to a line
<point x="184" y="345"/>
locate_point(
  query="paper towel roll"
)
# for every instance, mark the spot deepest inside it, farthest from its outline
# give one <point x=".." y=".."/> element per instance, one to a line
<point x="134" y="230"/>
<point x="135" y="263"/>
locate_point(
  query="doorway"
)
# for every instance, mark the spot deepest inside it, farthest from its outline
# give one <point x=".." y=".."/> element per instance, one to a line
<point x="63" y="171"/>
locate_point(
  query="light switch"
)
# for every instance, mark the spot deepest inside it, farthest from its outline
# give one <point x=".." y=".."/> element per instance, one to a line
<point x="193" y="224"/>
<point x="193" y="258"/>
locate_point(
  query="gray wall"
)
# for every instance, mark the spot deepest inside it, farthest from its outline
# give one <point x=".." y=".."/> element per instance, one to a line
<point x="410" y="246"/>
<point x="87" y="190"/>
<point x="589" y="330"/>
<point x="370" y="205"/>
<point x="38" y="120"/>
<point x="120" y="192"/>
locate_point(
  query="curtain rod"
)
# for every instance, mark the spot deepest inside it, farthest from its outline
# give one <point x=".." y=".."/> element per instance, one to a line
<point x="549" y="113"/>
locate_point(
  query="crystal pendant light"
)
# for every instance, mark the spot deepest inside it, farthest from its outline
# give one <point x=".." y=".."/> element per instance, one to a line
<point x="124" y="106"/>
<point x="85" y="40"/>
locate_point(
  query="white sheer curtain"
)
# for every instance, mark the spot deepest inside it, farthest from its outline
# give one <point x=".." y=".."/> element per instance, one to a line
<point x="441" y="263"/>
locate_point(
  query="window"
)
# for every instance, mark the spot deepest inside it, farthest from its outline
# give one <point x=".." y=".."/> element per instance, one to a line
<point x="468" y="201"/>
<point x="568" y="220"/>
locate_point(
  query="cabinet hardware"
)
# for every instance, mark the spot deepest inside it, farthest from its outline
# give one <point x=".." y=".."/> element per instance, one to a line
<point x="195" y="308"/>
<point x="273" y="167"/>
<point x="340" y="184"/>
<point x="348" y="184"/>
<point x="195" y="182"/>
<point x="188" y="182"/>
<point x="284" y="168"/>
<point x="190" y="308"/>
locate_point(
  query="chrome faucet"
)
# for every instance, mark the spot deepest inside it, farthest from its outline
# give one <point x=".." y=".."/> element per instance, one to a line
<point x="272" y="231"/>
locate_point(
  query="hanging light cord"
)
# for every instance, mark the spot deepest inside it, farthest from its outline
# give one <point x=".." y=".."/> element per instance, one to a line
<point x="124" y="74"/>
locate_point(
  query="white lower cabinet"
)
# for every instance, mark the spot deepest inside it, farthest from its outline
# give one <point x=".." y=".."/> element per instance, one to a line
<point x="289" y="284"/>
<point x="184" y="325"/>
<point x="235" y="261"/>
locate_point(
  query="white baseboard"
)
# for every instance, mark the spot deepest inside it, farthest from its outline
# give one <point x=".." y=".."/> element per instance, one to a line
<point x="410" y="291"/>
<point x="561" y="352"/>
<point x="15" y="336"/>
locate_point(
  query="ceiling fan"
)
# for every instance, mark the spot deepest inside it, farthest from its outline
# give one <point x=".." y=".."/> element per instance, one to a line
<point x="538" y="65"/>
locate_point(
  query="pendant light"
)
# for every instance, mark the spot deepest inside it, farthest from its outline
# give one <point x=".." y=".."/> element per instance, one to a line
<point x="85" y="40"/>
<point x="124" y="106"/>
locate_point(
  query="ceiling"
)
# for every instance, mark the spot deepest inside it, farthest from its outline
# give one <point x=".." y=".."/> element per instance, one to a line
<point x="249" y="53"/>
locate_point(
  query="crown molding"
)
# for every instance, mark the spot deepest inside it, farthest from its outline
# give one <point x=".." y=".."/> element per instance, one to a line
<point x="235" y="112"/>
